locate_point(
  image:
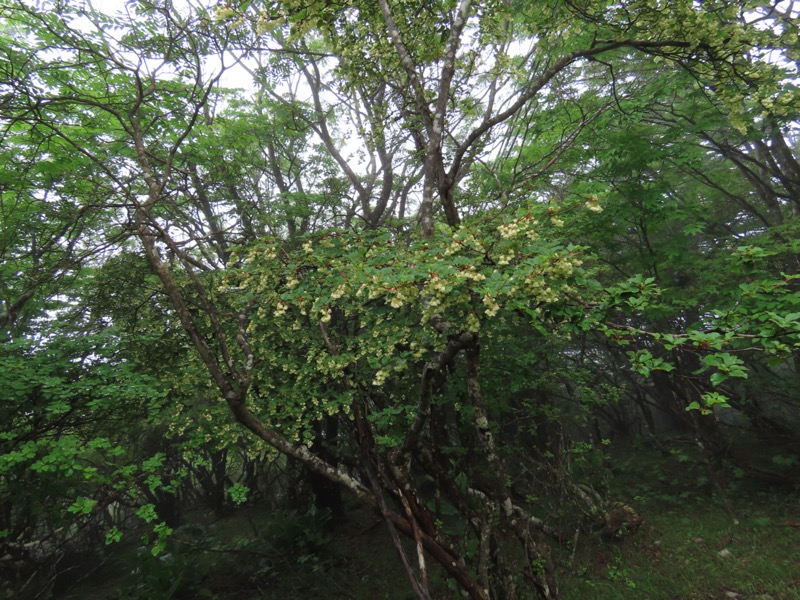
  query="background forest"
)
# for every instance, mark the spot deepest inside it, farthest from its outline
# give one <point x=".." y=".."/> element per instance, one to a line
<point x="451" y="263"/>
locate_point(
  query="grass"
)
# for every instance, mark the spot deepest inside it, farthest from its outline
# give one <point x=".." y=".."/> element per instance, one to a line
<point x="689" y="546"/>
<point x="675" y="554"/>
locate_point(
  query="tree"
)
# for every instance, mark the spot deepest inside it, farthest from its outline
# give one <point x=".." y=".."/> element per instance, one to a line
<point x="344" y="332"/>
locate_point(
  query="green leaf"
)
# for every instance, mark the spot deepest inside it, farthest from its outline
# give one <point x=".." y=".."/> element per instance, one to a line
<point x="147" y="513"/>
<point x="82" y="506"/>
<point x="238" y="493"/>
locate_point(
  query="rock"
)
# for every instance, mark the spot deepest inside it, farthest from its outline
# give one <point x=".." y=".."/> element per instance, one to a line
<point x="619" y="521"/>
<point x="724" y="553"/>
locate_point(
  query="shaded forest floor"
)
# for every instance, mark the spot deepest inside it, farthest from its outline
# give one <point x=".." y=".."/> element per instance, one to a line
<point x="688" y="547"/>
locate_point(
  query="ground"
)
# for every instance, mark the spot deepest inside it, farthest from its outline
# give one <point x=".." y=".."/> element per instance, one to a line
<point x="691" y="545"/>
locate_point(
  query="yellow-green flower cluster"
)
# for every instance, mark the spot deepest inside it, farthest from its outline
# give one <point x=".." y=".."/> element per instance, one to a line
<point x="504" y="259"/>
<point x="223" y="12"/>
<point x="380" y="377"/>
<point x="520" y="225"/>
<point x="593" y="204"/>
<point x="492" y="307"/>
<point x="339" y="292"/>
<point x="473" y="323"/>
<point x="542" y="291"/>
<point x="325" y="315"/>
<point x="267" y="23"/>
<point x="464" y="239"/>
<point x="508" y="230"/>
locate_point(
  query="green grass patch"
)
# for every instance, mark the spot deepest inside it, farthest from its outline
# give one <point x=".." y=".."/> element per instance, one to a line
<point x="689" y="546"/>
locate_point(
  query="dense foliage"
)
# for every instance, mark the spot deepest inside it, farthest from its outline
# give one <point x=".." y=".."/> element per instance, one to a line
<point x="431" y="256"/>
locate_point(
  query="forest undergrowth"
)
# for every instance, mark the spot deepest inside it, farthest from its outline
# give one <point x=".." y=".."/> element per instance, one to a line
<point x="692" y="544"/>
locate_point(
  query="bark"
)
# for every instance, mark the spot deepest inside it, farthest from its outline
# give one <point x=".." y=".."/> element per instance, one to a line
<point x="514" y="517"/>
